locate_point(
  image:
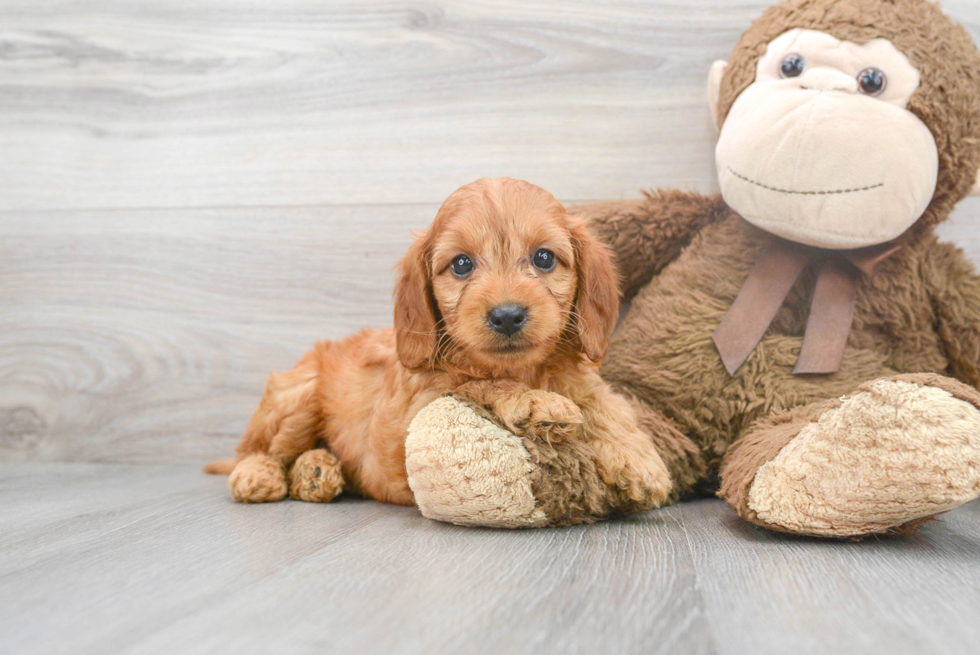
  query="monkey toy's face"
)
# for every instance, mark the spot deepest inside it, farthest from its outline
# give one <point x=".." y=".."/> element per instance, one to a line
<point x="820" y="148"/>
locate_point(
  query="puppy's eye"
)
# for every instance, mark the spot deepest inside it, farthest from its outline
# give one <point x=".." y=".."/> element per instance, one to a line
<point x="544" y="259"/>
<point x="792" y="66"/>
<point x="462" y="265"/>
<point x="872" y="81"/>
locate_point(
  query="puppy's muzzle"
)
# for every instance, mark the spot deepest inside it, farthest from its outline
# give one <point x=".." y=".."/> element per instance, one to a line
<point x="507" y="319"/>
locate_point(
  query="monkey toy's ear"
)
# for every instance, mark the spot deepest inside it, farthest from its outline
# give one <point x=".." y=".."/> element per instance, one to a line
<point x="714" y="89"/>
<point x="975" y="191"/>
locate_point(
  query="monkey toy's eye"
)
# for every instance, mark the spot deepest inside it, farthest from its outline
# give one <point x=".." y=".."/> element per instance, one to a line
<point x="544" y="259"/>
<point x="462" y="265"/>
<point x="872" y="81"/>
<point x="792" y="66"/>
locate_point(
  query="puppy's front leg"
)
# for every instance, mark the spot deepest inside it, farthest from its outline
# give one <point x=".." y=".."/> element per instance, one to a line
<point x="525" y="411"/>
<point x="626" y="458"/>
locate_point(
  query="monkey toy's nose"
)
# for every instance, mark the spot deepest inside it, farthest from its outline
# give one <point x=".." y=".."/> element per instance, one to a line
<point x="507" y="319"/>
<point x="828" y="79"/>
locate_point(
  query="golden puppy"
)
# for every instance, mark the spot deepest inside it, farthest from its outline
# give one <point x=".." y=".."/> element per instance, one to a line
<point x="506" y="300"/>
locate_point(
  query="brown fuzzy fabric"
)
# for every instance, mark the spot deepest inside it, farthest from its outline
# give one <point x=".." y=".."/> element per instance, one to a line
<point x="766" y="439"/>
<point x="957" y="298"/>
<point x="685" y="256"/>
<point x="648" y="233"/>
<point x="567" y="486"/>
<point x="760" y="444"/>
<point x="565" y="482"/>
<point x="947" y="100"/>
<point x="663" y="355"/>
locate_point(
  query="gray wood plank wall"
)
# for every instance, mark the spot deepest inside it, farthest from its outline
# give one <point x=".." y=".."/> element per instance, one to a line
<point x="192" y="192"/>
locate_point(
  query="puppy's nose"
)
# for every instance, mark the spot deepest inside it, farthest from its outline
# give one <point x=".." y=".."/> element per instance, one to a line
<point x="507" y="319"/>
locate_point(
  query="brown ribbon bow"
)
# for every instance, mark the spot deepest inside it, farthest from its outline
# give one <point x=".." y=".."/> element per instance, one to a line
<point x="831" y="310"/>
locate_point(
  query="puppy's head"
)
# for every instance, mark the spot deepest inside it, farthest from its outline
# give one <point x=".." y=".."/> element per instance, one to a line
<point x="503" y="279"/>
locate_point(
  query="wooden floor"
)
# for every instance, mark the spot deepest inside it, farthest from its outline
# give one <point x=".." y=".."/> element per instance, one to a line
<point x="102" y="558"/>
<point x="194" y="191"/>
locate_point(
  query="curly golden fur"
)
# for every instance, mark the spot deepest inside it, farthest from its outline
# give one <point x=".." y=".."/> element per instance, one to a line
<point x="356" y="397"/>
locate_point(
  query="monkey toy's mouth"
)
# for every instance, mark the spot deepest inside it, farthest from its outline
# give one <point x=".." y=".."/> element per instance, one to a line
<point x="824" y="190"/>
<point x="821" y="192"/>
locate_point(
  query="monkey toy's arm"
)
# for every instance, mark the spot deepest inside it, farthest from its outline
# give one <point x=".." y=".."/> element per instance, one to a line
<point x="647" y="234"/>
<point x="955" y="289"/>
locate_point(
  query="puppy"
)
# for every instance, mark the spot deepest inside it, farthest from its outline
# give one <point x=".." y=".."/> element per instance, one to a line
<point x="505" y="300"/>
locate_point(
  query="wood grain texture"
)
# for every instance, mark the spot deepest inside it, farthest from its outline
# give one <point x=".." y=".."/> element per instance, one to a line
<point x="154" y="559"/>
<point x="147" y="336"/>
<point x="195" y="103"/>
<point x="769" y="593"/>
<point x="98" y="558"/>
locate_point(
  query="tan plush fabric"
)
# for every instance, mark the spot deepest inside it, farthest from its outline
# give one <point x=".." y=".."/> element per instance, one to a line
<point x="465" y="470"/>
<point x="787" y="140"/>
<point x="942" y="51"/>
<point x="894" y="452"/>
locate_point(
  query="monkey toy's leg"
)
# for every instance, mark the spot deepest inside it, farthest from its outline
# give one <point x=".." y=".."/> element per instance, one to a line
<point x="885" y="458"/>
<point x="465" y="467"/>
<point x="498" y="455"/>
<point x="632" y="474"/>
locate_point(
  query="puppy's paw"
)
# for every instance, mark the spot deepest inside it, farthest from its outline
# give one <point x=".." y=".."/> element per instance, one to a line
<point x="543" y="415"/>
<point x="257" y="479"/>
<point x="641" y="478"/>
<point x="653" y="482"/>
<point x="316" y="477"/>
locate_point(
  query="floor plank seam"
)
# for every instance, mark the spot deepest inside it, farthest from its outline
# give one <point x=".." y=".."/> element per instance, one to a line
<point x="698" y="587"/>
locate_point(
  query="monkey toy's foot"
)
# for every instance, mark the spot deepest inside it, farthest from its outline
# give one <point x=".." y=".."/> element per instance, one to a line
<point x="258" y="478"/>
<point x="316" y="477"/>
<point x="893" y="454"/>
<point x="464" y="468"/>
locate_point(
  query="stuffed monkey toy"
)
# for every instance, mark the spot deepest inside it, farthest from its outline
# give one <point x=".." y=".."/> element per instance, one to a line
<point x="801" y="344"/>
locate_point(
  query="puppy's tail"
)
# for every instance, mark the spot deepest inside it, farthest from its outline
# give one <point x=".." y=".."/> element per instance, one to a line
<point x="220" y="467"/>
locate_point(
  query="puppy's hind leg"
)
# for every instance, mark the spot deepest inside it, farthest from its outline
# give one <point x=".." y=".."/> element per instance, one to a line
<point x="316" y="477"/>
<point x="288" y="422"/>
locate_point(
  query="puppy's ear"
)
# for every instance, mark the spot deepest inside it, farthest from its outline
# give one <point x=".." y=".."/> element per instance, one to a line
<point x="415" y="319"/>
<point x="597" y="300"/>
